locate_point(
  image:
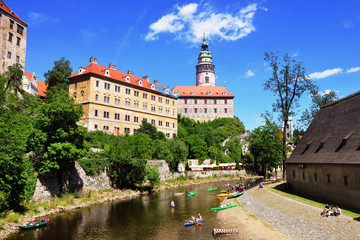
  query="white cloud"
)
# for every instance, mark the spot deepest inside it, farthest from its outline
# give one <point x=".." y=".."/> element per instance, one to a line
<point x="325" y="74"/>
<point x="327" y="92"/>
<point x="36" y="18"/>
<point x="353" y="69"/>
<point x="87" y="35"/>
<point x="348" y="23"/>
<point x="190" y="23"/>
<point x="249" y="73"/>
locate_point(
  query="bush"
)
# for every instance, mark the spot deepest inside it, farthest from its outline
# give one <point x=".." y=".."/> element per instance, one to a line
<point x="93" y="166"/>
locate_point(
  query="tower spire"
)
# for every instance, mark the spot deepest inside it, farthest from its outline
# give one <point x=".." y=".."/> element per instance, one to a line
<point x="205" y="74"/>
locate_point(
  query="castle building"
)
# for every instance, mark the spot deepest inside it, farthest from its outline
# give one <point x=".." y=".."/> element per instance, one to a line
<point x="117" y="102"/>
<point x="205" y="101"/>
<point x="33" y="86"/>
<point x="13" y="38"/>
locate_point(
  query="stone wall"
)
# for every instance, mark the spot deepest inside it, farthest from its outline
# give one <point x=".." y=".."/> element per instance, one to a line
<point x="164" y="170"/>
<point x="203" y="174"/>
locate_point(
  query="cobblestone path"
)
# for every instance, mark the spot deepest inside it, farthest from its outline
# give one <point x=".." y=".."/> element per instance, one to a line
<point x="297" y="220"/>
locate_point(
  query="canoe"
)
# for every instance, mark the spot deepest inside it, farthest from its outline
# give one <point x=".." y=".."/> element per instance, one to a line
<point x="191" y="194"/>
<point x="227" y="194"/>
<point x="179" y="194"/>
<point x="236" y="195"/>
<point x="221" y="208"/>
<point x="212" y="189"/>
<point x="37" y="224"/>
<point x="193" y="223"/>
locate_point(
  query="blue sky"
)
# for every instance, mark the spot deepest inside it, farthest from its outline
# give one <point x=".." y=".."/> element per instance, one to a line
<point x="162" y="39"/>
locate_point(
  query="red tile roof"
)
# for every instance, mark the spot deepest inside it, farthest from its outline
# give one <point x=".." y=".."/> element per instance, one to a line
<point x="115" y="75"/>
<point x="10" y="12"/>
<point x="42" y="86"/>
<point x="202" y="91"/>
<point x="28" y="75"/>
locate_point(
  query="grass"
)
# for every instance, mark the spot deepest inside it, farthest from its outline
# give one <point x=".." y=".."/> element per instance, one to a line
<point x="280" y="189"/>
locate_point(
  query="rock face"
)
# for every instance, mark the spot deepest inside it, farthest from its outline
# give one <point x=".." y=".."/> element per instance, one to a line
<point x="73" y="179"/>
<point x="164" y="170"/>
<point x="244" y="140"/>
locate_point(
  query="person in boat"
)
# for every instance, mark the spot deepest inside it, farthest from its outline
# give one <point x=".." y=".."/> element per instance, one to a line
<point x="198" y="217"/>
<point x="192" y="219"/>
<point x="172" y="203"/>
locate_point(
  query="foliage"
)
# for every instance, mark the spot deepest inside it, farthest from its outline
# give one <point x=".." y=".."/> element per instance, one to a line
<point x="235" y="150"/>
<point x="318" y="99"/>
<point x="152" y="175"/>
<point x="93" y="166"/>
<point x="266" y="147"/>
<point x="150" y="130"/>
<point x="297" y="134"/>
<point x="288" y="82"/>
<point x="56" y="78"/>
<point x="197" y="147"/>
<point x="14" y="78"/>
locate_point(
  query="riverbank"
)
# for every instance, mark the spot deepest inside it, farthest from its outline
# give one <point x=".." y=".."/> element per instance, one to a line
<point x="263" y="214"/>
<point x="69" y="202"/>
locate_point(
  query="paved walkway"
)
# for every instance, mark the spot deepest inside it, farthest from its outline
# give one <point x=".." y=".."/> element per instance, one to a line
<point x="297" y="220"/>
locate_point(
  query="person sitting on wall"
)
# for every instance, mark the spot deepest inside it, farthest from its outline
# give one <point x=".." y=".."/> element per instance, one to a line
<point x="330" y="212"/>
<point x="326" y="209"/>
<point x="261" y="185"/>
<point x="337" y="211"/>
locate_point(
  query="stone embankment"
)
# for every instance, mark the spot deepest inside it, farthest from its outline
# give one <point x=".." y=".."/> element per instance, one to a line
<point x="288" y="218"/>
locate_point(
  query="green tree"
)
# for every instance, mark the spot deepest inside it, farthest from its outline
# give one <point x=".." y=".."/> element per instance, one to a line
<point x="197" y="147"/>
<point x="56" y="78"/>
<point x="318" y="99"/>
<point x="288" y="83"/>
<point x="14" y="78"/>
<point x="266" y="147"/>
<point x="150" y="130"/>
<point x="235" y="150"/>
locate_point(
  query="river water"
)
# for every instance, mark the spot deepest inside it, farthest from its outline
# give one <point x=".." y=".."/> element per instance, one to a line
<point x="146" y="217"/>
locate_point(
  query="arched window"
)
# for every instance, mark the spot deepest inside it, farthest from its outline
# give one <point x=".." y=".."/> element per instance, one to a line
<point x="127" y="79"/>
<point x="152" y="86"/>
<point x="140" y="82"/>
<point x="107" y="72"/>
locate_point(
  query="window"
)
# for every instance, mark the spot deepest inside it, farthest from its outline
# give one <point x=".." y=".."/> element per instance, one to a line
<point x="75" y="86"/>
<point x="173" y="113"/>
<point x="206" y="79"/>
<point x="145" y="95"/>
<point x="225" y="101"/>
<point x="127" y="130"/>
<point x="167" y="101"/>
<point x="195" y="101"/>
<point x="96" y="112"/>
<point x="107" y="86"/>
<point x="173" y="103"/>
<point x="106" y="99"/>
<point x="315" y="177"/>
<point x="136" y="105"/>
<point x="135" y="131"/>
<point x="205" y="101"/>
<point x="117" y="101"/>
<point x="10" y="37"/>
<point x="153" y="98"/>
<point x="153" y="121"/>
<point x="18" y="41"/>
<point x="117" y="116"/>
<point x="214" y="101"/>
<point x="185" y="101"/>
<point x="328" y="178"/>
<point x="167" y="112"/>
<point x="128" y="91"/>
<point x="160" y="123"/>
<point x="97" y="83"/>
<point x="136" y="119"/>
<point x="11" y="24"/>
<point x="167" y="124"/>
<point x="17" y="59"/>
<point x="9" y="55"/>
<point x="106" y="114"/>
<point x="117" y="88"/>
<point x="20" y="29"/>
<point x="145" y="107"/>
<point x="225" y="110"/>
<point x="195" y="110"/>
<point x="160" y="99"/>
<point x="145" y="119"/>
<point x="96" y="97"/>
<point x="168" y="135"/>
<point x="205" y="110"/>
<point x="173" y="125"/>
<point x="215" y="110"/>
<point x="106" y="127"/>
<point x="127" y="103"/>
<point x="136" y="93"/>
<point x="95" y="126"/>
<point x="345" y="180"/>
<point x="127" y="118"/>
<point x="160" y="110"/>
<point x="153" y="109"/>
<point x="303" y="176"/>
<point x="185" y="110"/>
<point x="294" y="174"/>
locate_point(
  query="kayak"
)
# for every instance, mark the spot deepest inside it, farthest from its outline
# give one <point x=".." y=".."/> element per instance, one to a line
<point x="236" y="195"/>
<point x="225" y="207"/>
<point x="227" y="194"/>
<point x="212" y="189"/>
<point x="37" y="224"/>
<point x="229" y="191"/>
<point x="191" y="194"/>
<point x="193" y="223"/>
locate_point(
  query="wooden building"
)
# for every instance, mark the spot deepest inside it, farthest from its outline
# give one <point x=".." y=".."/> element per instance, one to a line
<point x="326" y="161"/>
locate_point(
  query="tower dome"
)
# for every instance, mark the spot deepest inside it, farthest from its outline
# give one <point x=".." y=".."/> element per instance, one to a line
<point x="205" y="74"/>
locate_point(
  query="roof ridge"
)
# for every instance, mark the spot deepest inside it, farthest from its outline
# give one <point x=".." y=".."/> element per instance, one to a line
<point x="8" y="10"/>
<point x="341" y="100"/>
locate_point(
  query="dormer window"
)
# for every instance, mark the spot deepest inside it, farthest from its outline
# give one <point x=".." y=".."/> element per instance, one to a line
<point x="208" y="93"/>
<point x="127" y="79"/>
<point x="107" y="72"/>
<point x="224" y="93"/>
<point x="152" y="87"/>
<point x="177" y="92"/>
<point x="140" y="83"/>
<point x="192" y="92"/>
<point x="81" y="70"/>
<point x="167" y="91"/>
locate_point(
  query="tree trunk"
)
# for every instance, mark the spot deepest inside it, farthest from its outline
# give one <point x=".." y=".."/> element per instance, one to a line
<point x="284" y="146"/>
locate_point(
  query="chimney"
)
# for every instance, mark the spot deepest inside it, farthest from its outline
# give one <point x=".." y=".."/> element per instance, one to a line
<point x="146" y="78"/>
<point x="156" y="81"/>
<point x="112" y="66"/>
<point x="130" y="72"/>
<point x="93" y="60"/>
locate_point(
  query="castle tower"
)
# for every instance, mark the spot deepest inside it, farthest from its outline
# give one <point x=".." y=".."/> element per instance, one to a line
<point x="205" y="74"/>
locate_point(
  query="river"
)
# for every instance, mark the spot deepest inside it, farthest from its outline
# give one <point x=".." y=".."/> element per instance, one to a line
<point x="145" y="217"/>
